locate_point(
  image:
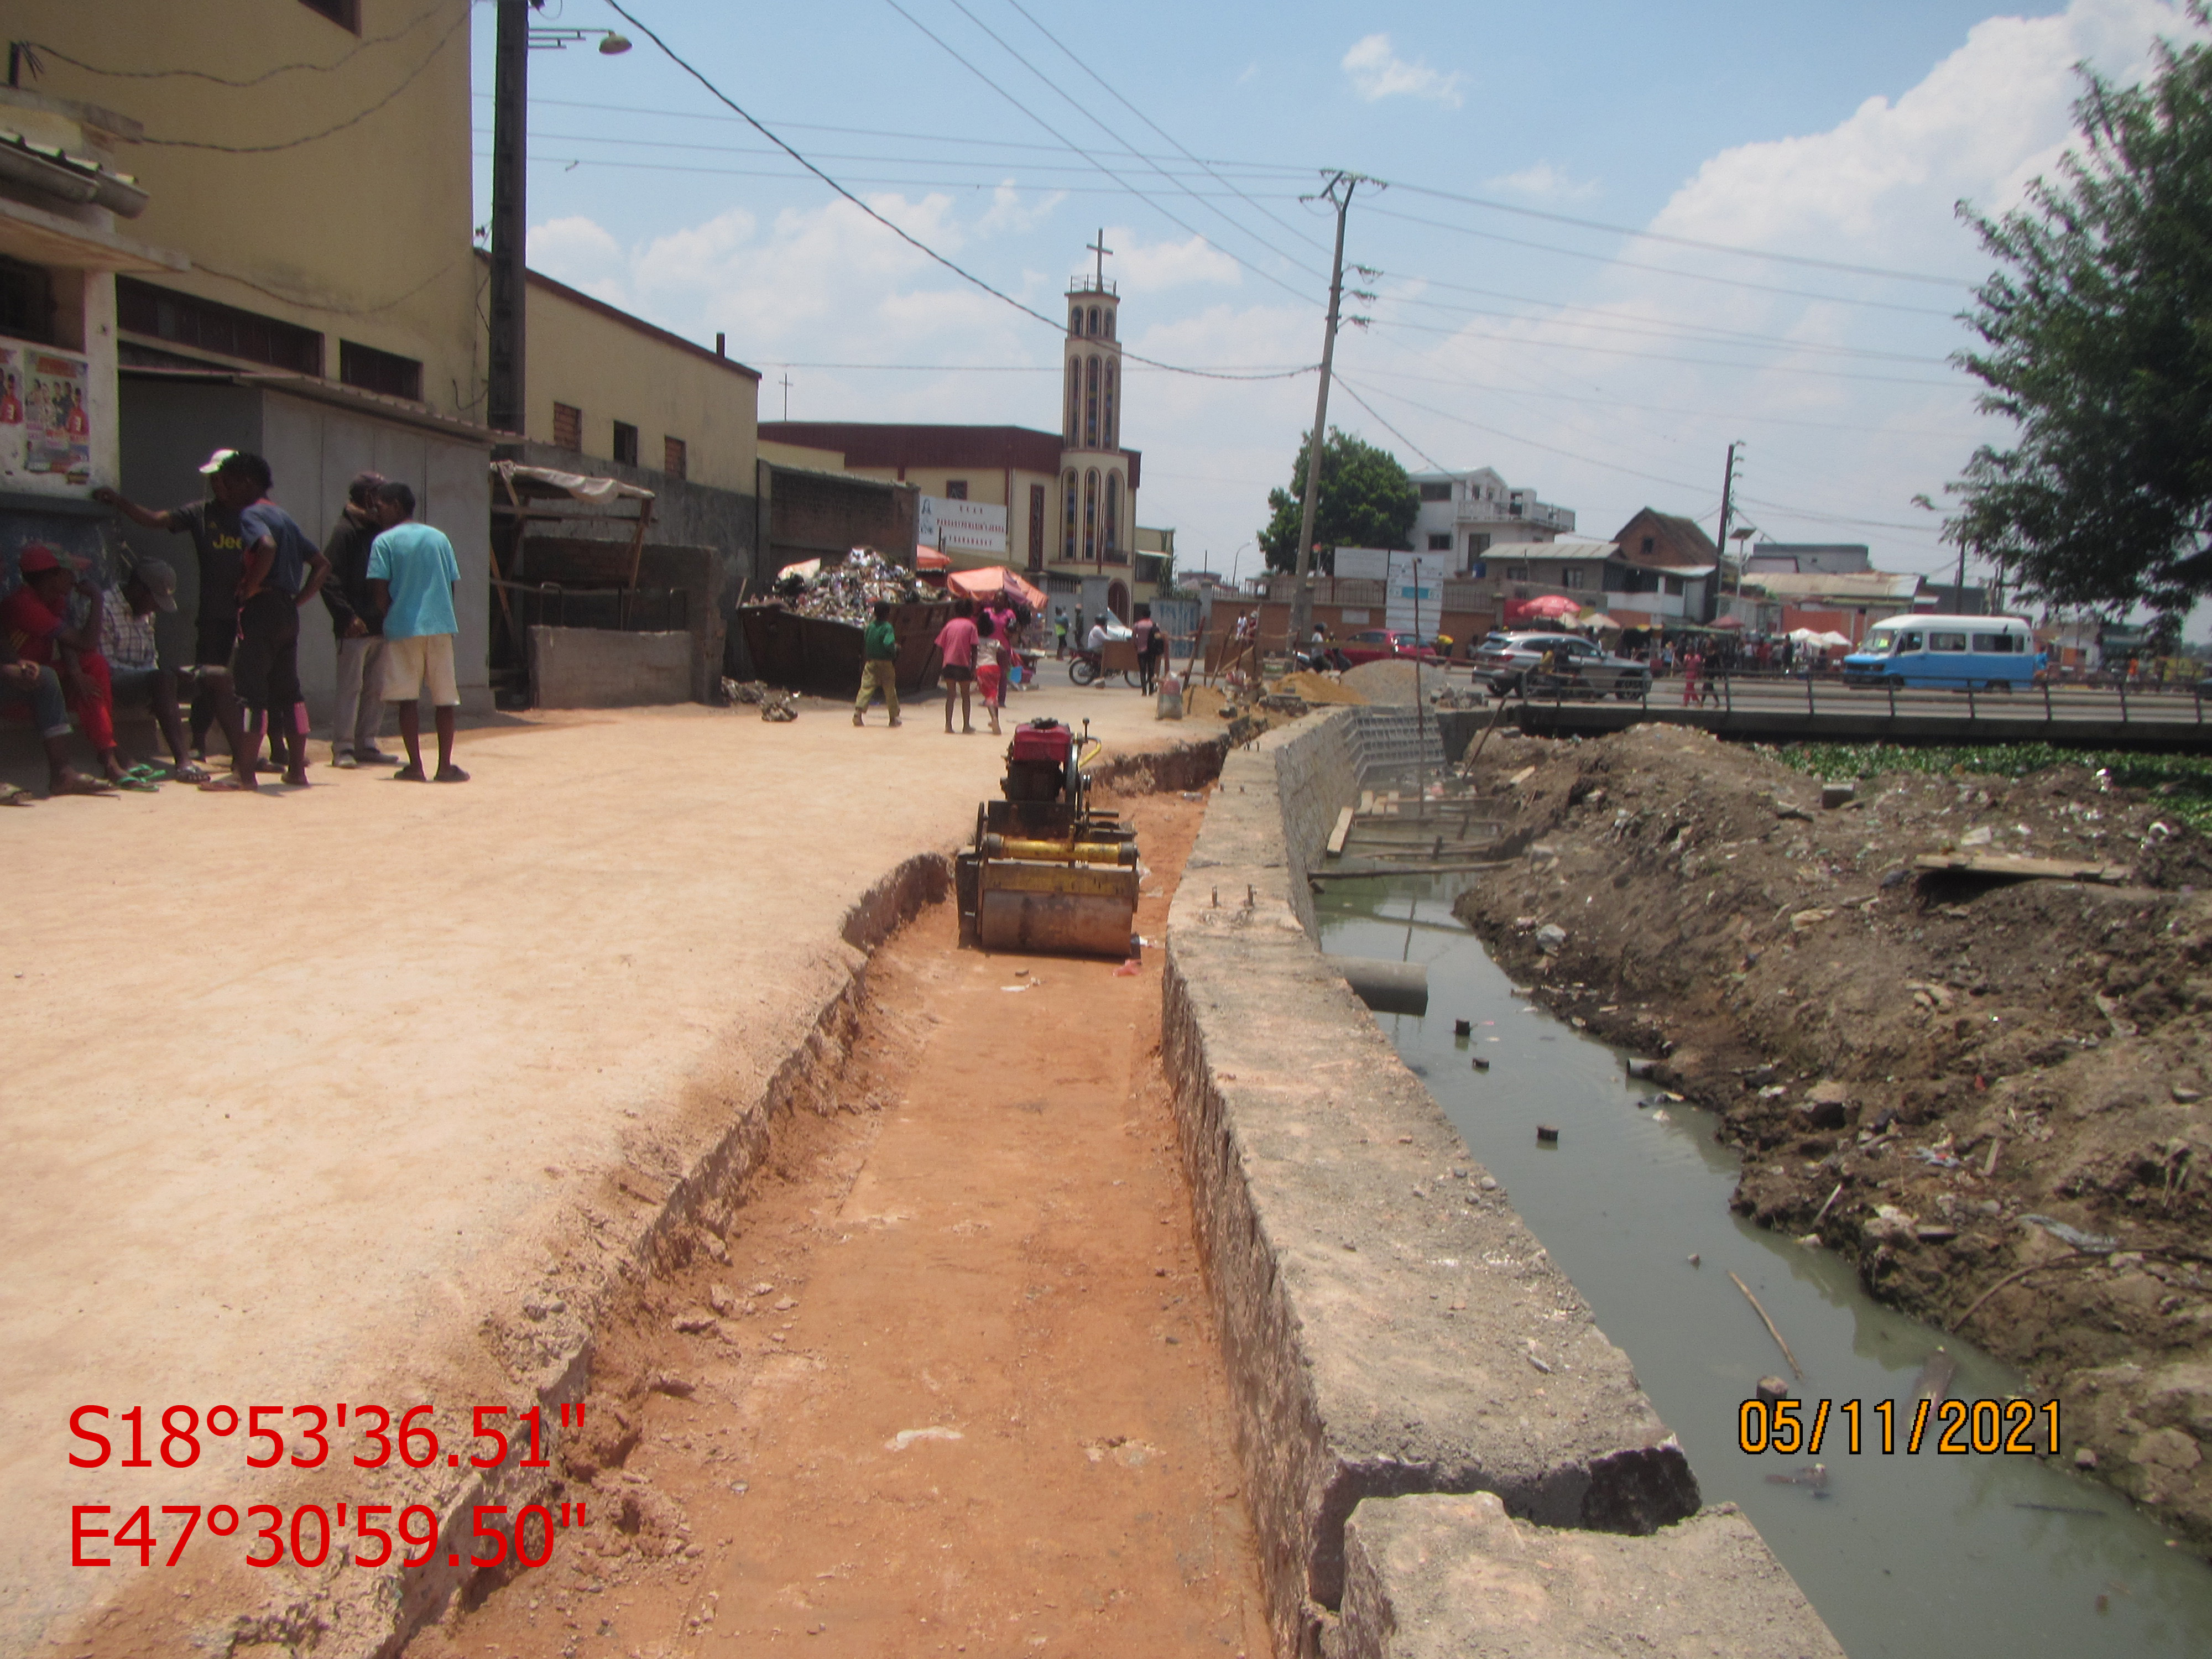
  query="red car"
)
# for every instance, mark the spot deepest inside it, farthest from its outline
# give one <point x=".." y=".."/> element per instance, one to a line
<point x="1373" y="644"/>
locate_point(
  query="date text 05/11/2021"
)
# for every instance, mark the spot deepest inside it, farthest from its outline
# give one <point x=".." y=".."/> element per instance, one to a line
<point x="304" y="1533"/>
<point x="1963" y="1427"/>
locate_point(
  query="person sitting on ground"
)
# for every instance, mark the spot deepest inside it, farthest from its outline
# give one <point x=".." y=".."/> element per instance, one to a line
<point x="879" y="664"/>
<point x="28" y="679"/>
<point x="990" y="665"/>
<point x="135" y="672"/>
<point x="35" y="618"/>
<point x="412" y="576"/>
<point x="956" y="646"/>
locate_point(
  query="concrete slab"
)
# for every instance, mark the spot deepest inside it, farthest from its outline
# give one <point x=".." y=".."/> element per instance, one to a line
<point x="1437" y="1578"/>
<point x="601" y="668"/>
<point x="367" y="1093"/>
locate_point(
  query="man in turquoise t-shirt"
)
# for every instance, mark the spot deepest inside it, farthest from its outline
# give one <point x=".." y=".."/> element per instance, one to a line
<point x="412" y="573"/>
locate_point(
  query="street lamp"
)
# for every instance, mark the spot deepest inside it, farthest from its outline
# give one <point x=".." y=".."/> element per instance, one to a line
<point x="504" y="396"/>
<point x="1236" y="559"/>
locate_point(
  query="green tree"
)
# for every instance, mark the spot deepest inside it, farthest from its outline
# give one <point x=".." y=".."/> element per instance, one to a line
<point x="2097" y="345"/>
<point x="1367" y="501"/>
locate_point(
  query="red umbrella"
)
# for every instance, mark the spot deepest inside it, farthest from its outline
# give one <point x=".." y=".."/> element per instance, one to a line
<point x="997" y="579"/>
<point x="1549" y="605"/>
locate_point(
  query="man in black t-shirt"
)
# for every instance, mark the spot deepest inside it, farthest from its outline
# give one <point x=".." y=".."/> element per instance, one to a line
<point x="219" y="540"/>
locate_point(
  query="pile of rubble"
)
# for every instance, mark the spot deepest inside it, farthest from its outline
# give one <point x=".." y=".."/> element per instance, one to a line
<point x="846" y="592"/>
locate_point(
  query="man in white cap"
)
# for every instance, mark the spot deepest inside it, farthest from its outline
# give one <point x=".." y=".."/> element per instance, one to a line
<point x="219" y="540"/>
<point x="134" y="657"/>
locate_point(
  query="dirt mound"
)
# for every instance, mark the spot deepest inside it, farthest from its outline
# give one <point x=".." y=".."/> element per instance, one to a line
<point x="1950" y="1077"/>
<point x="1318" y="688"/>
<point x="1392" y="682"/>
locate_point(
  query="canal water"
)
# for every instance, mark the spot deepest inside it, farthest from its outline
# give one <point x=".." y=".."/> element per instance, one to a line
<point x="1906" y="1556"/>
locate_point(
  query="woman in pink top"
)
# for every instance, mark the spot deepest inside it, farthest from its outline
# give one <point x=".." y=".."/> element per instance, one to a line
<point x="1002" y="625"/>
<point x="955" y="644"/>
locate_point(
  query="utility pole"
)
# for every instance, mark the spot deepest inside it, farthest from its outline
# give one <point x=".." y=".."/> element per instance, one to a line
<point x="1302" y="595"/>
<point x="504" y="403"/>
<point x="1728" y="501"/>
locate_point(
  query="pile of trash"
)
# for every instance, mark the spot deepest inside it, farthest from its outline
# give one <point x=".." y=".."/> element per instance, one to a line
<point x="846" y="592"/>
<point x="774" y="705"/>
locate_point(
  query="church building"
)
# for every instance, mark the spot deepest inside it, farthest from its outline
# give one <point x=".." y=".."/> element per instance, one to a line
<point x="1060" y="507"/>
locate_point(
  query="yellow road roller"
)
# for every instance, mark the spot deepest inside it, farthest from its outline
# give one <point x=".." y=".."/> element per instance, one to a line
<point x="1048" y="874"/>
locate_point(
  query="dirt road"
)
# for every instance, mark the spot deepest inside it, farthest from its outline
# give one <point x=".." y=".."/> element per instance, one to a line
<point x="956" y="1389"/>
<point x="360" y="1094"/>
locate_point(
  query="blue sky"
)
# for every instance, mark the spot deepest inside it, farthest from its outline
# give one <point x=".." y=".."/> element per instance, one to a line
<point x="1820" y="147"/>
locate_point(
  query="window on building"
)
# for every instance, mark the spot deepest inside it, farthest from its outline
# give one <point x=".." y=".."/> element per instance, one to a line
<point x="1106" y="422"/>
<point x="1090" y="402"/>
<point x="1112" y="539"/>
<point x="1037" y="526"/>
<point x="955" y="489"/>
<point x="1649" y="544"/>
<point x="346" y="13"/>
<point x="1516" y="573"/>
<point x="1674" y="584"/>
<point x="1570" y="577"/>
<point x="1090" y="513"/>
<point x="1436" y="492"/>
<point x="1440" y="543"/>
<point x="1067" y="536"/>
<point x="26" y="302"/>
<point x="381" y="371"/>
<point x="675" y="458"/>
<point x="567" y="427"/>
<point x="1094" y="320"/>
<point x="625" y="443"/>
<point x="179" y="318"/>
<point x="1075" y="320"/>
<point x="1074" y="402"/>
<point x="1109" y="322"/>
<point x="1478" y="542"/>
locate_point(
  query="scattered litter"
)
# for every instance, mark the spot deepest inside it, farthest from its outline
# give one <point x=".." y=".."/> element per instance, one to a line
<point x="1662" y="1115"/>
<point x="1129" y="970"/>
<point x="1546" y="1135"/>
<point x="1017" y="987"/>
<point x="2088" y="1243"/>
<point x="906" y="1438"/>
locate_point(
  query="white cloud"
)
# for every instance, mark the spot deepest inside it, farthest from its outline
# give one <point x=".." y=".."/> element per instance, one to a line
<point x="1169" y="264"/>
<point x="1545" y="181"/>
<point x="1982" y="122"/>
<point x="1377" y="72"/>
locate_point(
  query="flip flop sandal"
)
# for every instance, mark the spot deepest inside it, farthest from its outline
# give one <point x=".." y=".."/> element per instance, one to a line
<point x="137" y="785"/>
<point x="13" y="794"/>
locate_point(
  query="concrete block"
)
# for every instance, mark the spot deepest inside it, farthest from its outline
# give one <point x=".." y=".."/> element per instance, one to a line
<point x="1438" y="1578"/>
<point x="601" y="668"/>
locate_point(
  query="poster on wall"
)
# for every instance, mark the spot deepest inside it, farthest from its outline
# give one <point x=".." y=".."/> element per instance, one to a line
<point x="11" y="411"/>
<point x="56" y="420"/>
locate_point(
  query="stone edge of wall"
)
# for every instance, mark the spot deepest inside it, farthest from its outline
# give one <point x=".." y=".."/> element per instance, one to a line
<point x="1330" y="1254"/>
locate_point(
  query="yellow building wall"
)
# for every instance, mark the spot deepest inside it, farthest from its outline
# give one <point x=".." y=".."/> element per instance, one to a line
<point x="613" y="370"/>
<point x="363" y="233"/>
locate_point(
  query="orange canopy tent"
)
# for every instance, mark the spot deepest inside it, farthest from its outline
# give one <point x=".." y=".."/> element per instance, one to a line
<point x="997" y="579"/>
<point x="929" y="558"/>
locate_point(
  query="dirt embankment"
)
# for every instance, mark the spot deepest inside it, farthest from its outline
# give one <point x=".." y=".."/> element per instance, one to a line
<point x="1989" y="1077"/>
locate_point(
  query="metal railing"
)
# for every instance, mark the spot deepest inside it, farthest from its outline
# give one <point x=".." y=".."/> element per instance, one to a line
<point x="1828" y="693"/>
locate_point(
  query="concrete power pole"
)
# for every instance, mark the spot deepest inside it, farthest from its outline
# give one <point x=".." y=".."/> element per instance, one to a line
<point x="1727" y="500"/>
<point x="1302" y="595"/>
<point x="504" y="405"/>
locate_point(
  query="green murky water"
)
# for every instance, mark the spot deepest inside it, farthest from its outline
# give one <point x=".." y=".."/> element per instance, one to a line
<point x="1906" y="1556"/>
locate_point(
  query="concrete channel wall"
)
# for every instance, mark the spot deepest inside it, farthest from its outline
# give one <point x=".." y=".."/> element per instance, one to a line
<point x="1393" y="1333"/>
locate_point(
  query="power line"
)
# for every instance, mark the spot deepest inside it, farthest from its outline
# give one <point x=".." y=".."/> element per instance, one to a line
<point x="1351" y="392"/>
<point x="569" y="162"/>
<point x="340" y="62"/>
<point x="1685" y="241"/>
<point x="1637" y="265"/>
<point x="412" y="77"/>
<point x="1652" y="356"/>
<point x="958" y="57"/>
<point x="916" y="242"/>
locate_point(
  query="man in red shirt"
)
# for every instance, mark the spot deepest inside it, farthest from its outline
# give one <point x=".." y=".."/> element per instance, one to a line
<point x="35" y="618"/>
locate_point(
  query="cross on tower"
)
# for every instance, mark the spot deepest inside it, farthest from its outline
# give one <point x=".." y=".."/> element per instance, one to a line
<point x="1099" y="248"/>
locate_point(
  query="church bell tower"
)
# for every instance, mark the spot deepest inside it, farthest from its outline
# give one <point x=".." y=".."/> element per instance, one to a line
<point x="1098" y="510"/>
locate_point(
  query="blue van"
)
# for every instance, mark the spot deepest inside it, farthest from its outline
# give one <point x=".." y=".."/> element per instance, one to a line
<point x="1946" y="653"/>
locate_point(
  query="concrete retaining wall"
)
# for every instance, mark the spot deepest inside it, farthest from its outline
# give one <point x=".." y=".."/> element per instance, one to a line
<point x="604" y="668"/>
<point x="1390" y="1325"/>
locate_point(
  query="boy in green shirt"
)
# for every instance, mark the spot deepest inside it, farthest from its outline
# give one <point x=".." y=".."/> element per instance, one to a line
<point x="879" y="664"/>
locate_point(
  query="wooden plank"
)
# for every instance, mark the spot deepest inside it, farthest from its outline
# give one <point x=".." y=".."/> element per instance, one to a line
<point x="2022" y="868"/>
<point x="1336" y="835"/>
<point x="1366" y="802"/>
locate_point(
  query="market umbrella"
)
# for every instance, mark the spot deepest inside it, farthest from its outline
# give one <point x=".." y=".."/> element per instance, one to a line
<point x="1548" y="605"/>
<point x="1804" y="635"/>
<point x="997" y="578"/>
<point x="1600" y="620"/>
<point x="1832" y="640"/>
<point x="929" y="558"/>
<point x="1729" y="623"/>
